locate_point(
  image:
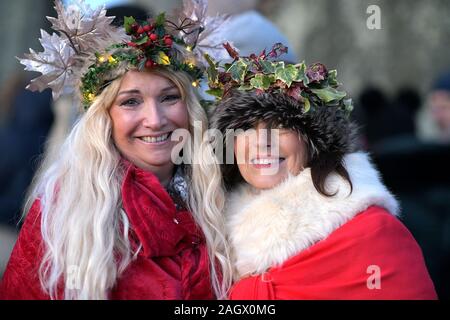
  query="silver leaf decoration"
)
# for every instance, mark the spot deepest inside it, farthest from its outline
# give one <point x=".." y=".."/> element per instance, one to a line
<point x="205" y="34"/>
<point x="211" y="40"/>
<point x="88" y="29"/>
<point x="54" y="64"/>
<point x="66" y="57"/>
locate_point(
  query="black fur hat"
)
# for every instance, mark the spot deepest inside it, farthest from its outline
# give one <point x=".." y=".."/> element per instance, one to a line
<point x="327" y="130"/>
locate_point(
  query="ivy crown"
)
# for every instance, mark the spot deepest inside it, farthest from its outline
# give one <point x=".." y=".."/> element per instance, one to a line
<point x="313" y="85"/>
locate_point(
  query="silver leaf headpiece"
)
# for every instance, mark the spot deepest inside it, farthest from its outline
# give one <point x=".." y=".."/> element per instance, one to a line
<point x="82" y="33"/>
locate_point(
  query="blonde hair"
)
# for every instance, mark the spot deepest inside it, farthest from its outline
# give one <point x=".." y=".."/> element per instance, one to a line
<point x="83" y="226"/>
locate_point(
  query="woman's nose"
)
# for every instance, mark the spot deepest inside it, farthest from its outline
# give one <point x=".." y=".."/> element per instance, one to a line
<point x="264" y="137"/>
<point x="154" y="116"/>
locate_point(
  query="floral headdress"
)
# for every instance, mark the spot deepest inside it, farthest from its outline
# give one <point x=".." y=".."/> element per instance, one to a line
<point x="312" y="86"/>
<point x="87" y="47"/>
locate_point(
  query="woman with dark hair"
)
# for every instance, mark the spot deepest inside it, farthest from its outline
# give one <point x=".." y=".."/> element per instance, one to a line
<point x="308" y="216"/>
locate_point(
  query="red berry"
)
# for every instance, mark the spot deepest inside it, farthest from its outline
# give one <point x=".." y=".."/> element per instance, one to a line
<point x="131" y="44"/>
<point x="147" y="28"/>
<point x="148" y="43"/>
<point x="153" y="37"/>
<point x="168" y="42"/>
<point x="140" y="30"/>
<point x="149" y="63"/>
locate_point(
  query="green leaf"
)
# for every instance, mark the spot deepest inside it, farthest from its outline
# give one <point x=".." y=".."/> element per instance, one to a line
<point x="227" y="66"/>
<point x="332" y="78"/>
<point x="209" y="60"/>
<point x="261" y="81"/>
<point x="287" y="74"/>
<point x="348" y="103"/>
<point x="213" y="74"/>
<point x="238" y="70"/>
<point x="128" y="21"/>
<point x="267" y="66"/>
<point x="307" y="105"/>
<point x="246" y="87"/>
<point x="160" y="19"/>
<point x="141" y="40"/>
<point x="329" y="94"/>
<point x="301" y="74"/>
<point x="217" y="92"/>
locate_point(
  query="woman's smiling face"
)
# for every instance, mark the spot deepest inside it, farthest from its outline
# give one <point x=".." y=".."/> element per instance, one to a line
<point x="147" y="109"/>
<point x="265" y="158"/>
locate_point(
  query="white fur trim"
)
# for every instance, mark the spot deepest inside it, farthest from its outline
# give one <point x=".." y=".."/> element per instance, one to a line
<point x="269" y="226"/>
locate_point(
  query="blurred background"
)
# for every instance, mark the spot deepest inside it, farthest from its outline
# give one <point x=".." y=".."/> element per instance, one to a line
<point x="393" y="57"/>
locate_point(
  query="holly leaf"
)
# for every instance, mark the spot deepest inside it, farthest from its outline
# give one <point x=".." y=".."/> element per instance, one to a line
<point x="261" y="81"/>
<point x="238" y="70"/>
<point x="268" y="67"/>
<point x="141" y="40"/>
<point x="216" y="92"/>
<point x="287" y="74"/>
<point x="213" y="74"/>
<point x="246" y="87"/>
<point x="307" y="105"/>
<point x="348" y="105"/>
<point x="329" y="94"/>
<point x="332" y="78"/>
<point x="160" y="19"/>
<point x="54" y="63"/>
<point x="128" y="21"/>
<point x="301" y="74"/>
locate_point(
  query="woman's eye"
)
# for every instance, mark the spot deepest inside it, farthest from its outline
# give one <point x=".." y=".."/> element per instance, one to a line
<point x="171" y="98"/>
<point x="130" y="102"/>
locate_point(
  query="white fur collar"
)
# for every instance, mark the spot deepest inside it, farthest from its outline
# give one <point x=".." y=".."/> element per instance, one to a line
<point x="267" y="227"/>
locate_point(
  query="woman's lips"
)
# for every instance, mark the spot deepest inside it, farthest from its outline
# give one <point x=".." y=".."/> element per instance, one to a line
<point x="261" y="163"/>
<point x="156" y="140"/>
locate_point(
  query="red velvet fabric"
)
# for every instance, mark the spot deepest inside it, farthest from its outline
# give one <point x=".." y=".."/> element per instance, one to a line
<point x="338" y="266"/>
<point x="172" y="264"/>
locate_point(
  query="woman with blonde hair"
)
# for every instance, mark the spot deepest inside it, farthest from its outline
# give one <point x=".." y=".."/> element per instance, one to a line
<point x="114" y="217"/>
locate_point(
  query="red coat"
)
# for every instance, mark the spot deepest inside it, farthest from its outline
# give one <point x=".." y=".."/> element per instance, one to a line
<point x="173" y="262"/>
<point x="339" y="267"/>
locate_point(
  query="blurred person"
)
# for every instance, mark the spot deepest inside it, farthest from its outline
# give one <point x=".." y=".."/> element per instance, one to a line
<point x="247" y="29"/>
<point x="385" y="122"/>
<point x="28" y="118"/>
<point x="434" y="118"/>
<point x="22" y="141"/>
<point x="112" y="217"/>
